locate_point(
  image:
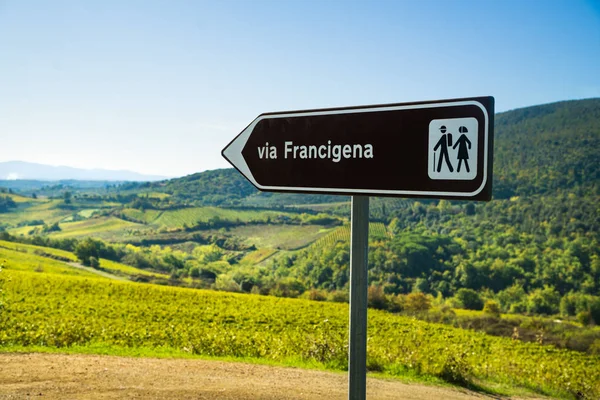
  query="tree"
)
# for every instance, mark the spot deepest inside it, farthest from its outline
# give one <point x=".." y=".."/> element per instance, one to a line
<point x="543" y="301"/>
<point x="469" y="299"/>
<point x="87" y="249"/>
<point x="6" y="203"/>
<point x="94" y="262"/>
<point x="67" y="197"/>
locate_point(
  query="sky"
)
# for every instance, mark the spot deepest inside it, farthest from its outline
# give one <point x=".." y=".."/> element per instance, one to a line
<point x="161" y="87"/>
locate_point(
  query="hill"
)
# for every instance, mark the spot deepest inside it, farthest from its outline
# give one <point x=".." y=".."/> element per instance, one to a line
<point x="534" y="249"/>
<point x="538" y="149"/>
<point x="21" y="170"/>
<point x="546" y="148"/>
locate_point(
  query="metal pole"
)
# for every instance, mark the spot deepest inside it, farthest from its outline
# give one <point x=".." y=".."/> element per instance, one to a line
<point x="359" y="246"/>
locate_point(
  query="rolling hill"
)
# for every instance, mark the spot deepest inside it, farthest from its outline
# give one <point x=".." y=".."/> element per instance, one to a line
<point x="538" y="149"/>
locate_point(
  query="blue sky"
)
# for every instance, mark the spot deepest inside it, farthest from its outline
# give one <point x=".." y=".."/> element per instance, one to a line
<point x="162" y="86"/>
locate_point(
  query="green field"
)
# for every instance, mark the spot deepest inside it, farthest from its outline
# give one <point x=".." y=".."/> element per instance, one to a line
<point x="20" y="199"/>
<point x="57" y="311"/>
<point x="190" y="216"/>
<point x="108" y="228"/>
<point x="285" y="237"/>
<point x="146" y="216"/>
<point x="24" y="259"/>
<point x="46" y="210"/>
<point x="33" y="249"/>
<point x="342" y="234"/>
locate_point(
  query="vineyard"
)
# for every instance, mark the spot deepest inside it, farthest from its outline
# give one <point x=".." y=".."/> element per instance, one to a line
<point x="342" y="234"/>
<point x="37" y="210"/>
<point x="24" y="257"/>
<point x="26" y="260"/>
<point x="59" y="311"/>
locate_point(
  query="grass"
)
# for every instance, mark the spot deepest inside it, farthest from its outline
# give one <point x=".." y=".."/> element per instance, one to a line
<point x="20" y="199"/>
<point x="190" y="216"/>
<point x="13" y="260"/>
<point x="22" y="231"/>
<point x="123" y="269"/>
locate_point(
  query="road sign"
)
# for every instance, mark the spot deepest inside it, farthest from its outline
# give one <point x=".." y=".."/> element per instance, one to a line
<point x="437" y="149"/>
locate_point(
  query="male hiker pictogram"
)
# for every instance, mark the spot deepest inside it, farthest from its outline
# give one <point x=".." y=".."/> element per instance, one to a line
<point x="463" y="152"/>
<point x="443" y="143"/>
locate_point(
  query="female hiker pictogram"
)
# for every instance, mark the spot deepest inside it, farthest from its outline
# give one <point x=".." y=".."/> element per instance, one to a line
<point x="443" y="143"/>
<point x="463" y="152"/>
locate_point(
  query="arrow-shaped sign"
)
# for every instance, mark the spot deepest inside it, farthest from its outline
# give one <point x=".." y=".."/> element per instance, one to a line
<point x="440" y="149"/>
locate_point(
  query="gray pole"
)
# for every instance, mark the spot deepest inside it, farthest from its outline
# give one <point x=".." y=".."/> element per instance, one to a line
<point x="359" y="246"/>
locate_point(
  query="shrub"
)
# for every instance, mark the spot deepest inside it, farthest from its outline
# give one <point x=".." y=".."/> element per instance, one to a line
<point x="417" y="302"/>
<point x="595" y="310"/>
<point x="94" y="262"/>
<point x="316" y="295"/>
<point x="376" y="298"/>
<point x="338" y="296"/>
<point x="492" y="308"/>
<point x="584" y="318"/>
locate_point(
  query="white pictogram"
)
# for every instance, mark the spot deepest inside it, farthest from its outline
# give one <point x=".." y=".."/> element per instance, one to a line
<point x="453" y="149"/>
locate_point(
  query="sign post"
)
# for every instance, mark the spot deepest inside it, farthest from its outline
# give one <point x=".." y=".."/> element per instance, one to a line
<point x="439" y="149"/>
<point x="359" y="246"/>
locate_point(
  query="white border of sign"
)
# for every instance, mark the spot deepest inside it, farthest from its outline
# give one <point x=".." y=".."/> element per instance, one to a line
<point x="233" y="152"/>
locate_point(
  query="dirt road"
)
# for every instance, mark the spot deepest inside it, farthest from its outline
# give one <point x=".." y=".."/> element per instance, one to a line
<point x="54" y="376"/>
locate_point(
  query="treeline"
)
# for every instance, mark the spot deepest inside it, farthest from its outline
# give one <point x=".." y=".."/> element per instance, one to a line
<point x="6" y="203"/>
<point x="533" y="255"/>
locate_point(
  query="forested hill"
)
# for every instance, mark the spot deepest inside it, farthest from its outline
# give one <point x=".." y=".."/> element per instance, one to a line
<point x="538" y="149"/>
<point x="548" y="147"/>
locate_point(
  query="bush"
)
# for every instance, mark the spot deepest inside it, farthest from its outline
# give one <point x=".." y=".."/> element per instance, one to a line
<point x="595" y="310"/>
<point x="584" y="318"/>
<point x="195" y="272"/>
<point x="376" y="298"/>
<point x="338" y="296"/>
<point x="94" y="262"/>
<point x="316" y="295"/>
<point x="469" y="299"/>
<point x="492" y="308"/>
<point x="417" y="302"/>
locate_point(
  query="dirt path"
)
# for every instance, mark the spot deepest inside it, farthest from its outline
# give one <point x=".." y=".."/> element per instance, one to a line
<point x="56" y="376"/>
<point x="95" y="271"/>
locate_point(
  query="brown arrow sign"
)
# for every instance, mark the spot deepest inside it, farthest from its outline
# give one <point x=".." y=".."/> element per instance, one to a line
<point x="437" y="149"/>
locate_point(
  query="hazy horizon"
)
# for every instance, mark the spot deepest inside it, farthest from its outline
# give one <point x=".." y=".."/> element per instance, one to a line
<point x="161" y="87"/>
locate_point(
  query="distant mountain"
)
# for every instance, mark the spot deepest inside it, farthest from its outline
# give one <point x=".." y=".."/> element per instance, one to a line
<point x="21" y="170"/>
